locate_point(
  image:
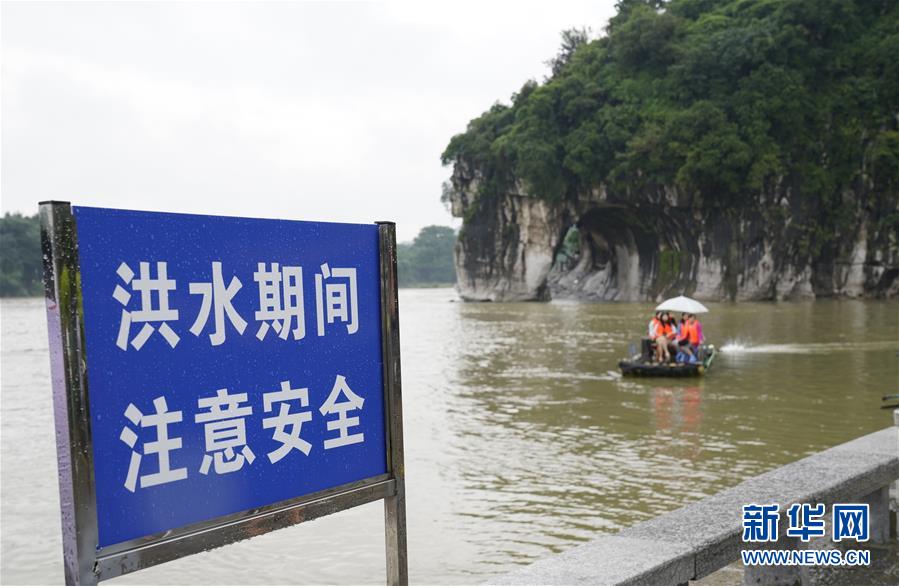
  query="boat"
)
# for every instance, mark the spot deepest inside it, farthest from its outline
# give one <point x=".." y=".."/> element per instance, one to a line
<point x="643" y="365"/>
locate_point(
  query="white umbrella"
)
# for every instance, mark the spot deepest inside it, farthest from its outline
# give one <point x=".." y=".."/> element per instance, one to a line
<point x="684" y="304"/>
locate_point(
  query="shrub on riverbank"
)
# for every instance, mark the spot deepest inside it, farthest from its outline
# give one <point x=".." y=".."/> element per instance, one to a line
<point x="20" y="256"/>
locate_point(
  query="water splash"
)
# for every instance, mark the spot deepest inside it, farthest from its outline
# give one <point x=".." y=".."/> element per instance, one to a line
<point x="746" y="348"/>
<point x="735" y="347"/>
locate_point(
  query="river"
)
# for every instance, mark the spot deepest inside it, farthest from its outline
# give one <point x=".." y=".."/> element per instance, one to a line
<point x="522" y="439"/>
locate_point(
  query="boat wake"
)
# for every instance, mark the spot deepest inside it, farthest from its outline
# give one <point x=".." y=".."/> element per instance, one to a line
<point x="739" y="347"/>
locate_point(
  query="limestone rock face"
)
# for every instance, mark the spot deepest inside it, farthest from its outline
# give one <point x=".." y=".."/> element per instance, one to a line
<point x="648" y="246"/>
<point x="507" y="248"/>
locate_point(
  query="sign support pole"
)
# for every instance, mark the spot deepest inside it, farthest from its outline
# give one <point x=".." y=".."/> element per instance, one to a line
<point x="395" y="505"/>
<point x="71" y="408"/>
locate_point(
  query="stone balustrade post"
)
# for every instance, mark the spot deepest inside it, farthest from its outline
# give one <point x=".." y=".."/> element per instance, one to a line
<point x="775" y="575"/>
<point x="879" y="514"/>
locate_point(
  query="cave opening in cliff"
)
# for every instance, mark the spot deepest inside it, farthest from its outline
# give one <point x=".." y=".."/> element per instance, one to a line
<point x="605" y="255"/>
<point x="569" y="251"/>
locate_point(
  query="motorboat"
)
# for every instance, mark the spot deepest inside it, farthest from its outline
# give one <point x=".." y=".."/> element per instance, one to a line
<point x="644" y="364"/>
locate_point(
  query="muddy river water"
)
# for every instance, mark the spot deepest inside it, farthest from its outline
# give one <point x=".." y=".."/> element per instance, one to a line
<point x="521" y="437"/>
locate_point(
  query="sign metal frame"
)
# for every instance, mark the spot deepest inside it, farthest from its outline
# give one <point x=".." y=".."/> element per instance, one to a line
<point x="84" y="562"/>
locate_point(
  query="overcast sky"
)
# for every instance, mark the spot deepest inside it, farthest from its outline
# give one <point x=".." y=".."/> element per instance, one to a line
<point x="312" y="111"/>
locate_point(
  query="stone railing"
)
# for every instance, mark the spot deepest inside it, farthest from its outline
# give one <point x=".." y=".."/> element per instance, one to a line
<point x="698" y="539"/>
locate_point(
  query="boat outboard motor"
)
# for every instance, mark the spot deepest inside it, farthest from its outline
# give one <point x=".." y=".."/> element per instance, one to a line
<point x="646" y="352"/>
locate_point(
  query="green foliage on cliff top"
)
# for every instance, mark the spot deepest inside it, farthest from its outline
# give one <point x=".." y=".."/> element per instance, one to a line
<point x="721" y="98"/>
<point x="20" y="256"/>
<point x="427" y="261"/>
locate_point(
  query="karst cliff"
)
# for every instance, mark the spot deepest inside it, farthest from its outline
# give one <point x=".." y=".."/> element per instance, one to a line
<point x="647" y="246"/>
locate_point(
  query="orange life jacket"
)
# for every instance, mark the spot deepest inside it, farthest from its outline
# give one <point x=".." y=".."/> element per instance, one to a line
<point x="661" y="328"/>
<point x="690" y="332"/>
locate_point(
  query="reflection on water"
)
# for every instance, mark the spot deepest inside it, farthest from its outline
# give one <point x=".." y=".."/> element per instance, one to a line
<point x="522" y="438"/>
<point x="677" y="409"/>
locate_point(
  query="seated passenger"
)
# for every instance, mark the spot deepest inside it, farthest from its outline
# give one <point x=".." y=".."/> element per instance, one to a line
<point x="682" y="339"/>
<point x="660" y="331"/>
<point x="652" y="332"/>
<point x="698" y="326"/>
<point x="689" y="336"/>
<point x="673" y="338"/>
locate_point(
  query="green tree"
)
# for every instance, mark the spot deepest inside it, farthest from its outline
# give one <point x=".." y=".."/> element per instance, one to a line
<point x="722" y="99"/>
<point x="571" y="39"/>
<point x="20" y="256"/>
<point x="428" y="259"/>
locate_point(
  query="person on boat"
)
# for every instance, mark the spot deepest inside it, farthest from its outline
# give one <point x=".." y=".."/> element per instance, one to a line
<point x="674" y="328"/>
<point x="682" y="329"/>
<point x="661" y="331"/>
<point x="654" y="331"/>
<point x="689" y="336"/>
<point x="684" y="350"/>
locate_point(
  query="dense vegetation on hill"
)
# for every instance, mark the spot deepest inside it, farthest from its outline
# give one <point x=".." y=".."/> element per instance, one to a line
<point x="20" y="256"/>
<point x="427" y="260"/>
<point x="721" y="99"/>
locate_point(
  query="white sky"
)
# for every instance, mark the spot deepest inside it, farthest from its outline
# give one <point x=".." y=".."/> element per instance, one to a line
<point x="311" y="111"/>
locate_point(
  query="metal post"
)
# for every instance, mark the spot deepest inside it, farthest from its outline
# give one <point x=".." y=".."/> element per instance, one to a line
<point x="395" y="505"/>
<point x="62" y="290"/>
<point x="894" y="489"/>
